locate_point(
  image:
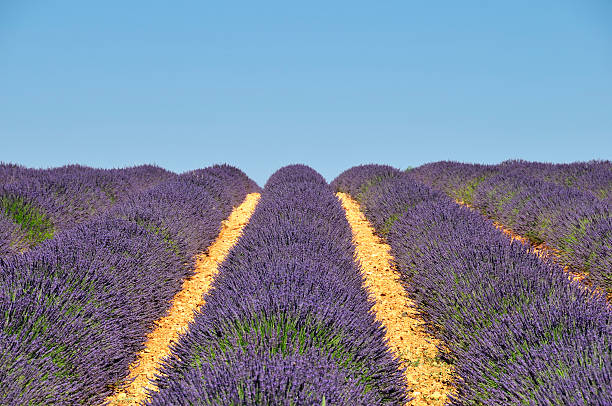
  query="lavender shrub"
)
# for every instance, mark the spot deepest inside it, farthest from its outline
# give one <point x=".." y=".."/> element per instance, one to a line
<point x="224" y="183"/>
<point x="44" y="202"/>
<point x="12" y="237"/>
<point x="566" y="205"/>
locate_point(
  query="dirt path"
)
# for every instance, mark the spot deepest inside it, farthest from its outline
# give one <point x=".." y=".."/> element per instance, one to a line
<point x="428" y="377"/>
<point x="188" y="300"/>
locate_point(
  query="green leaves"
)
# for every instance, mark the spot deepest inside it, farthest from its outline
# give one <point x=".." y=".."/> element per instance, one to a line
<point x="36" y="224"/>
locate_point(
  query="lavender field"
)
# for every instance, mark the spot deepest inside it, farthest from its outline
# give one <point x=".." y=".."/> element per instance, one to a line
<point x="92" y="259"/>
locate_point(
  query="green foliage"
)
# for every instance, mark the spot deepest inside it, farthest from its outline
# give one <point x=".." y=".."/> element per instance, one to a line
<point x="466" y="193"/>
<point x="386" y="227"/>
<point x="37" y="225"/>
<point x="603" y="193"/>
<point x="534" y="236"/>
<point x="577" y="231"/>
<point x="109" y="193"/>
<point x="363" y="190"/>
<point x="570" y="240"/>
<point x="162" y="232"/>
<point x="291" y="332"/>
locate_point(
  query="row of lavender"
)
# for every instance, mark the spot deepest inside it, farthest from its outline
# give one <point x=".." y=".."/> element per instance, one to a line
<point x="460" y="179"/>
<point x="35" y="204"/>
<point x="567" y="206"/>
<point x="287" y="321"/>
<point x="516" y="328"/>
<point x="75" y="310"/>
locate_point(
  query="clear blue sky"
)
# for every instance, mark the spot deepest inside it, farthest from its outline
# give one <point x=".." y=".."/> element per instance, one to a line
<point x="328" y="83"/>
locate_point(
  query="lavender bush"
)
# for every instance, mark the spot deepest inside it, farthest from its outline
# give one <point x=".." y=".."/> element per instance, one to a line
<point x="12" y="172"/>
<point x="567" y="206"/>
<point x="76" y="309"/>
<point x="224" y="183"/>
<point x="45" y="202"/>
<point x="287" y="320"/>
<point x="358" y="179"/>
<point x="253" y="376"/>
<point x="516" y="328"/>
<point x="458" y="179"/>
<point x="12" y="237"/>
<point x="593" y="176"/>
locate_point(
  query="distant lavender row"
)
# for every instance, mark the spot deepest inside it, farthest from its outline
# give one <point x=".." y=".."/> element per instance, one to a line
<point x="75" y="311"/>
<point x="287" y="321"/>
<point x="44" y="202"/>
<point x="531" y="199"/>
<point x="225" y="183"/>
<point x="593" y="176"/>
<point x="459" y="179"/>
<point x="516" y="328"/>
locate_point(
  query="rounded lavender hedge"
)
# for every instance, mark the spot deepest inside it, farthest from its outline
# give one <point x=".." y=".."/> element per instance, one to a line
<point x="517" y="330"/>
<point x="77" y="308"/>
<point x="287" y="320"/>
<point x="359" y="178"/>
<point x="255" y="377"/>
<point x="225" y="183"/>
<point x="297" y="173"/>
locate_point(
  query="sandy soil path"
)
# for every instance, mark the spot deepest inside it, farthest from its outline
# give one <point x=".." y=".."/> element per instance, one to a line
<point x="181" y="312"/>
<point x="428" y="377"/>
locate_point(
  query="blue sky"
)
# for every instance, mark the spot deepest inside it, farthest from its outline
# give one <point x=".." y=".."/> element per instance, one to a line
<point x="331" y="84"/>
